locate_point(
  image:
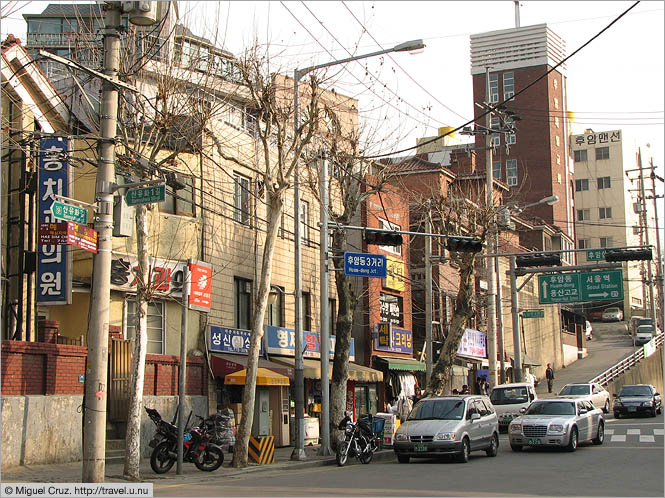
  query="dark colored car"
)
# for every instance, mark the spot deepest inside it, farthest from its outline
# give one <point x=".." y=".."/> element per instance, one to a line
<point x="595" y="315"/>
<point x="637" y="399"/>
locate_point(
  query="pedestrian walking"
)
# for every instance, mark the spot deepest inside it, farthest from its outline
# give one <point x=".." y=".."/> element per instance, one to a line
<point x="549" y="375"/>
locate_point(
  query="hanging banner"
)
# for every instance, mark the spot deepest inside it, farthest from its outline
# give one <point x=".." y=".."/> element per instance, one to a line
<point x="200" y="290"/>
<point x="54" y="261"/>
<point x="166" y="276"/>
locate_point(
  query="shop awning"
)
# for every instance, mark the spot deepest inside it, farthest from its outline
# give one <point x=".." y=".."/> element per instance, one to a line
<point x="312" y="369"/>
<point x="526" y="360"/>
<point x="223" y="364"/>
<point x="264" y="377"/>
<point x="409" y="364"/>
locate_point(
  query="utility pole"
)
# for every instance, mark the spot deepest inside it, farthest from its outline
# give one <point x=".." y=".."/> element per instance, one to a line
<point x="429" y="349"/>
<point x="491" y="282"/>
<point x="96" y="383"/>
<point x="182" y="375"/>
<point x="645" y="225"/>
<point x="515" y="312"/>
<point x="499" y="314"/>
<point x="659" y="255"/>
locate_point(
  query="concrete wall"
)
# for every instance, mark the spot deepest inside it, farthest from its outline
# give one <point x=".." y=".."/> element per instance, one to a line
<point x="647" y="371"/>
<point x="47" y="429"/>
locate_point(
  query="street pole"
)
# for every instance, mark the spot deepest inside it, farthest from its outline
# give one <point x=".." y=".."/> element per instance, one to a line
<point x="324" y="448"/>
<point x="652" y="304"/>
<point x="515" y="310"/>
<point x="491" y="283"/>
<point x="299" y="446"/>
<point x="659" y="255"/>
<point x="429" y="349"/>
<point x="182" y="377"/>
<point x="499" y="314"/>
<point x="96" y="383"/>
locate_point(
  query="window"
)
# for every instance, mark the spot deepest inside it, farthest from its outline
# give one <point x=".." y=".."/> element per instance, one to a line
<point x="386" y="225"/>
<point x="556" y="103"/>
<point x="241" y="204"/>
<point x="511" y="139"/>
<point x="511" y="172"/>
<point x="581" y="185"/>
<point x="603" y="153"/>
<point x="556" y="121"/>
<point x="583" y="214"/>
<point x="494" y="88"/>
<point x="508" y="85"/>
<point x="583" y="244"/>
<point x="604" y="213"/>
<point x="604" y="182"/>
<point x="155" y="325"/>
<point x="557" y="141"/>
<point x="179" y="201"/>
<point x="275" y="311"/>
<point x="306" y="311"/>
<point x="606" y="242"/>
<point x="496" y="138"/>
<point x="580" y="156"/>
<point x="243" y="303"/>
<point x="304" y="222"/>
<point x="496" y="169"/>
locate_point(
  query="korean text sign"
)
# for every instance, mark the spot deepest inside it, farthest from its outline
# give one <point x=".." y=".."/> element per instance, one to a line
<point x="200" y="290"/>
<point x="53" y="261"/>
<point x="473" y="344"/>
<point x="228" y="340"/>
<point x="393" y="339"/>
<point x="281" y="341"/>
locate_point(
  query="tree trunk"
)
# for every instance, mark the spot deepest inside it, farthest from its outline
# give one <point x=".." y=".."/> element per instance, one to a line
<point x="440" y="381"/>
<point x="249" y="393"/>
<point x="133" y="434"/>
<point x="344" y="325"/>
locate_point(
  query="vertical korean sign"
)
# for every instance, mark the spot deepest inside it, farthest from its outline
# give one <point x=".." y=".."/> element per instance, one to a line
<point x="54" y="265"/>
<point x="200" y="293"/>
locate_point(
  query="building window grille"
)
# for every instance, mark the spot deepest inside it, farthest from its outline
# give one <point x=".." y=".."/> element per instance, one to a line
<point x="603" y="153"/>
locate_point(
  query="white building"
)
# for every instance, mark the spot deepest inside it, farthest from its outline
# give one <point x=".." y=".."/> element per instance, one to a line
<point x="607" y="204"/>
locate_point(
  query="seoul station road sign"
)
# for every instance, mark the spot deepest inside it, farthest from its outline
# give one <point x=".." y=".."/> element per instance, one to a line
<point x="580" y="287"/>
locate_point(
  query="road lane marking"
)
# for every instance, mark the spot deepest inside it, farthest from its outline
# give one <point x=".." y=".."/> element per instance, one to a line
<point x="647" y="439"/>
<point x="609" y="432"/>
<point x="632" y="432"/>
<point x="618" y="438"/>
<point x="658" y="432"/>
<point x="614" y="422"/>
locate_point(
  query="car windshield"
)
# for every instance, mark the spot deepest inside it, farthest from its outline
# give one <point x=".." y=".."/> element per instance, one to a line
<point x="611" y="310"/>
<point x="575" y="390"/>
<point x="644" y="321"/>
<point x="509" y="395"/>
<point x="635" y="391"/>
<point x="645" y="329"/>
<point x="439" y="409"/>
<point x="551" y="408"/>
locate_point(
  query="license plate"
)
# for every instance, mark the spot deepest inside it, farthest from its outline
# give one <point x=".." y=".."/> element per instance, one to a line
<point x="632" y="408"/>
<point x="419" y="447"/>
<point x="534" y="441"/>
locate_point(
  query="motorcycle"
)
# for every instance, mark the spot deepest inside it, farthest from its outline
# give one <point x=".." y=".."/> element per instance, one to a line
<point x="361" y="439"/>
<point x="198" y="447"/>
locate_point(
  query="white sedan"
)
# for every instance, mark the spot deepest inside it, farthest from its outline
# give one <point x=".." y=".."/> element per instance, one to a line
<point x="596" y="393"/>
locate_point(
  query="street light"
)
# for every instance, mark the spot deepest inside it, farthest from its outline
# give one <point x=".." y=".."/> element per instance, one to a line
<point x="514" y="299"/>
<point x="299" y="447"/>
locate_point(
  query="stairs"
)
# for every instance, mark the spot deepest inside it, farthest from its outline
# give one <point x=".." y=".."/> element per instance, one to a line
<point x="115" y="442"/>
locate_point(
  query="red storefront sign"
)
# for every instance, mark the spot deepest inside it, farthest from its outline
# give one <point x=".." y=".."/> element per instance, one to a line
<point x="200" y="291"/>
<point x="82" y="236"/>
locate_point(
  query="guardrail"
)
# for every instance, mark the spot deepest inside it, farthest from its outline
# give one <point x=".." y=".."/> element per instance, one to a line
<point x="626" y="364"/>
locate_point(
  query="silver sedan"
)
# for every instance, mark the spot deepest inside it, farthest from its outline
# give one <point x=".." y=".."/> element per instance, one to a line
<point x="561" y="422"/>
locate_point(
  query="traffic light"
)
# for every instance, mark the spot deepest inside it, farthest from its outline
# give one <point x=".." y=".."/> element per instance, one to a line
<point x="383" y="238"/>
<point x="613" y="255"/>
<point x="538" y="259"/>
<point x="459" y="244"/>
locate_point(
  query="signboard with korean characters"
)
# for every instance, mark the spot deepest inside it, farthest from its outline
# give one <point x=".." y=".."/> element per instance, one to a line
<point x="200" y="290"/>
<point x="166" y="275"/>
<point x="393" y="339"/>
<point x="282" y="341"/>
<point x="364" y="265"/>
<point x="606" y="137"/>
<point x="473" y="344"/>
<point x="54" y="260"/>
<point x="230" y="340"/>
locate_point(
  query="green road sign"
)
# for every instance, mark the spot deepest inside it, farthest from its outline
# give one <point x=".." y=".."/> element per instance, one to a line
<point x="67" y="212"/>
<point x="145" y="195"/>
<point x="595" y="255"/>
<point x="580" y="287"/>
<point x="533" y="314"/>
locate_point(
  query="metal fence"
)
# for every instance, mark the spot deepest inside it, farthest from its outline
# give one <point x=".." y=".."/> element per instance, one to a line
<point x="626" y="364"/>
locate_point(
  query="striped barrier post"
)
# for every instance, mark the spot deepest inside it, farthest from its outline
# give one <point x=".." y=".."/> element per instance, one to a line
<point x="261" y="450"/>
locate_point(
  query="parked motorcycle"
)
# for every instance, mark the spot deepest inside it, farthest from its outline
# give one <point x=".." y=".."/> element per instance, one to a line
<point x="198" y="446"/>
<point x="361" y="439"/>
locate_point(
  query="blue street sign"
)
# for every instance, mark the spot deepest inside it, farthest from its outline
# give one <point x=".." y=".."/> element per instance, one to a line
<point x="364" y="265"/>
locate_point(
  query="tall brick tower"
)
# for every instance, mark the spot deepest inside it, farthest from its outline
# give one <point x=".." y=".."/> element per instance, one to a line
<point x="534" y="160"/>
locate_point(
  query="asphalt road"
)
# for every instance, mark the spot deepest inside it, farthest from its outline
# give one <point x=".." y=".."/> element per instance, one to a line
<point x="629" y="463"/>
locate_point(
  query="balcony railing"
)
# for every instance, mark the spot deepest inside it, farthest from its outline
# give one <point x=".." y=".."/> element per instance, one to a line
<point x="62" y="39"/>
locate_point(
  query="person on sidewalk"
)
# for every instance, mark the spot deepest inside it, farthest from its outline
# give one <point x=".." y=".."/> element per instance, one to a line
<point x="549" y="375"/>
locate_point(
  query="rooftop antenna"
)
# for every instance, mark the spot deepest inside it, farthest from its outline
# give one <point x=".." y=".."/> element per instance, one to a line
<point x="517" y="13"/>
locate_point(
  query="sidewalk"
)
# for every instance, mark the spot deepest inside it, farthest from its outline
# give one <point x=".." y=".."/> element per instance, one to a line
<point x="610" y="345"/>
<point x="71" y="472"/>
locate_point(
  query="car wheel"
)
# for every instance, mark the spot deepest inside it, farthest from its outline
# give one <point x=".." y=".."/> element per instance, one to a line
<point x="463" y="455"/>
<point x="493" y="449"/>
<point x="606" y="408"/>
<point x="403" y="458"/>
<point x="572" y="444"/>
<point x="600" y="436"/>
<point x="515" y="447"/>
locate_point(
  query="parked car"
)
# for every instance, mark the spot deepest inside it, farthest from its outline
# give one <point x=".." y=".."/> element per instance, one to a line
<point x="635" y="321"/>
<point x="559" y="423"/>
<point x="588" y="330"/>
<point x="596" y="393"/>
<point x="637" y="399"/>
<point x="509" y="399"/>
<point x="612" y="314"/>
<point x="448" y="425"/>
<point x="596" y="315"/>
<point x="643" y="334"/>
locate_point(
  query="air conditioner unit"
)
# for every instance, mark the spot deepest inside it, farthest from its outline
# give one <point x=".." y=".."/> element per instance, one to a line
<point x="637" y="207"/>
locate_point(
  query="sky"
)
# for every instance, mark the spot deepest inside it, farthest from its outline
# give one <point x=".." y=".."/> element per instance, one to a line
<point x="616" y="82"/>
